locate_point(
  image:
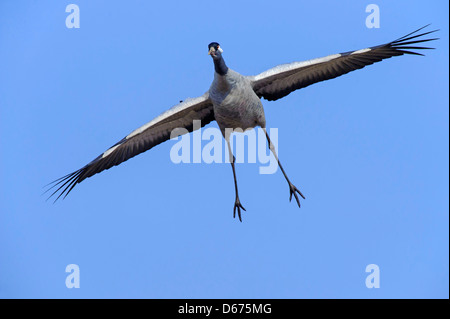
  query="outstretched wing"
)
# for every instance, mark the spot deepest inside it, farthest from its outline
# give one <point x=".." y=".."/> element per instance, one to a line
<point x="281" y="80"/>
<point x="144" y="138"/>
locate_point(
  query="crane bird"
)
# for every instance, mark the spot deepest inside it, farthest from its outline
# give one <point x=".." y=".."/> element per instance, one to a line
<point x="234" y="101"/>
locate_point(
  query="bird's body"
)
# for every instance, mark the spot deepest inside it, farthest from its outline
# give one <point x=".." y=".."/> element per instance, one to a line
<point x="234" y="101"/>
<point x="236" y="106"/>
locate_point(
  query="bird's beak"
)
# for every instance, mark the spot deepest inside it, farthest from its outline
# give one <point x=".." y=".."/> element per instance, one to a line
<point x="211" y="51"/>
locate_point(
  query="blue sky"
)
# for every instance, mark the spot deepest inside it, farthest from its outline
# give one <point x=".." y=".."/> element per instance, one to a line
<point x="369" y="150"/>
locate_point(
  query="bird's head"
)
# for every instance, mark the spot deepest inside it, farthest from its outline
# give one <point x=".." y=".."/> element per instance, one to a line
<point x="214" y="50"/>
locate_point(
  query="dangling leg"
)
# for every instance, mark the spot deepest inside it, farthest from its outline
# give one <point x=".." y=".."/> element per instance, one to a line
<point x="292" y="189"/>
<point x="237" y="203"/>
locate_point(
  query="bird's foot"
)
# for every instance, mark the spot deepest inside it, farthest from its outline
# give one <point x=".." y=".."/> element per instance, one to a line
<point x="293" y="191"/>
<point x="238" y="206"/>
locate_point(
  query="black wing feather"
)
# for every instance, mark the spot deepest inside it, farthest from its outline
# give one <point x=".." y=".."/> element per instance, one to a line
<point x="279" y="84"/>
<point x="138" y="143"/>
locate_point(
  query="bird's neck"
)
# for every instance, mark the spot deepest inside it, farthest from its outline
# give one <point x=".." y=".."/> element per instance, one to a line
<point x="220" y="66"/>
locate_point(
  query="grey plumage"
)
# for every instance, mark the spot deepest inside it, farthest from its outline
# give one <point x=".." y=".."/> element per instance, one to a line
<point x="233" y="100"/>
<point x="235" y="103"/>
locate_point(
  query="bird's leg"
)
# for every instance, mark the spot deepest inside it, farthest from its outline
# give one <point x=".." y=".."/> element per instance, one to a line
<point x="292" y="189"/>
<point x="237" y="203"/>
